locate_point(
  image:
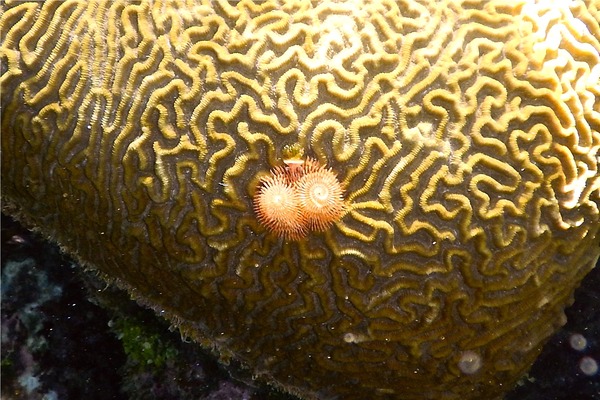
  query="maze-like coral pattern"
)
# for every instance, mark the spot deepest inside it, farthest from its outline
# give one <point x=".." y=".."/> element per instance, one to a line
<point x="465" y="132"/>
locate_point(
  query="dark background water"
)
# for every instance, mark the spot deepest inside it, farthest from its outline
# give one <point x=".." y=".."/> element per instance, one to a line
<point x="67" y="335"/>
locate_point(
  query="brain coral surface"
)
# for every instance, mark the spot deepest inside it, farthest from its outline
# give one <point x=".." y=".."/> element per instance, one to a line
<point x="465" y="135"/>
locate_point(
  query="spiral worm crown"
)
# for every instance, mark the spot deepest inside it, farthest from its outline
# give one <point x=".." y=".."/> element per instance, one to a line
<point x="300" y="197"/>
<point x="277" y="207"/>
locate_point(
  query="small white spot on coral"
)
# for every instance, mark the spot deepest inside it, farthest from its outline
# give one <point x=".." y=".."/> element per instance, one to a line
<point x="470" y="362"/>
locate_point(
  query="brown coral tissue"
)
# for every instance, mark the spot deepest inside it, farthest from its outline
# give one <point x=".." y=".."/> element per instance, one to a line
<point x="428" y="254"/>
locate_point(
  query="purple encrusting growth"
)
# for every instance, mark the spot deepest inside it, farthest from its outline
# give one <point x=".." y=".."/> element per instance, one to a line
<point x="50" y="332"/>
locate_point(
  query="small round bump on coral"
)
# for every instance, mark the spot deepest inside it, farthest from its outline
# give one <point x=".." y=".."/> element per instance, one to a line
<point x="277" y="207"/>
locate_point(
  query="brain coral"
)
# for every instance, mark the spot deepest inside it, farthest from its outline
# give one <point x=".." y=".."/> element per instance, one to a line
<point x="465" y="133"/>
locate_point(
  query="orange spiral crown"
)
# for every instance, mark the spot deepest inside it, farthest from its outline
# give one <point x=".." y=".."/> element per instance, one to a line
<point x="299" y="197"/>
